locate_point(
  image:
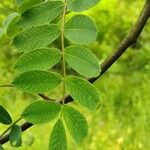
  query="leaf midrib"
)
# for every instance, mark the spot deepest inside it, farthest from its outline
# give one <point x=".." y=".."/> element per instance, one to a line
<point x="73" y="29"/>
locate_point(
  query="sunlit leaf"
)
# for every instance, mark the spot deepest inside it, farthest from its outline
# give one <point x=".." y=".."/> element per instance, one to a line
<point x="10" y="24"/>
<point x="83" y="92"/>
<point x="81" y="30"/>
<point x="23" y="5"/>
<point x="41" y="14"/>
<point x="37" y="81"/>
<point x="58" y="140"/>
<point x="80" y="5"/>
<point x="41" y="59"/>
<point x="82" y="60"/>
<point x="36" y="37"/>
<point x="41" y="112"/>
<point x="76" y="124"/>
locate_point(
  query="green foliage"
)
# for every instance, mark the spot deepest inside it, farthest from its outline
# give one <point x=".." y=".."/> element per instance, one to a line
<point x="51" y="57"/>
<point x="122" y="121"/>
<point x="83" y="92"/>
<point x="23" y="5"/>
<point x="41" y="112"/>
<point x="36" y="37"/>
<point x="58" y="140"/>
<point x="1" y="148"/>
<point x="2" y="36"/>
<point x="82" y="60"/>
<point x="32" y="33"/>
<point x="80" y="5"/>
<point x="9" y="24"/>
<point x="37" y="81"/>
<point x="15" y="136"/>
<point x="5" y="118"/>
<point x="41" y="14"/>
<point x="81" y="30"/>
<point x="76" y="124"/>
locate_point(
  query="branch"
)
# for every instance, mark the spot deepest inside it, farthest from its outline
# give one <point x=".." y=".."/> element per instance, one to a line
<point x="24" y="127"/>
<point x="129" y="40"/>
<point x="6" y="85"/>
<point x="46" y="97"/>
<point x="40" y="94"/>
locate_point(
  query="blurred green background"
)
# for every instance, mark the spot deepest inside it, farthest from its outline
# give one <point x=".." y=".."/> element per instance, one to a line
<point x="122" y="122"/>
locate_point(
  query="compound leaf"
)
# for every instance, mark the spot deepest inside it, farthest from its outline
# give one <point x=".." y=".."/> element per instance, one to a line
<point x="81" y="30"/>
<point x="10" y="24"/>
<point x="76" y="124"/>
<point x="37" y="81"/>
<point x="15" y="136"/>
<point x="41" y="112"/>
<point x="58" y="140"/>
<point x="41" y="14"/>
<point x="36" y="37"/>
<point x="41" y="59"/>
<point x="80" y="5"/>
<point x="5" y="118"/>
<point x="82" y="60"/>
<point x="82" y="92"/>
